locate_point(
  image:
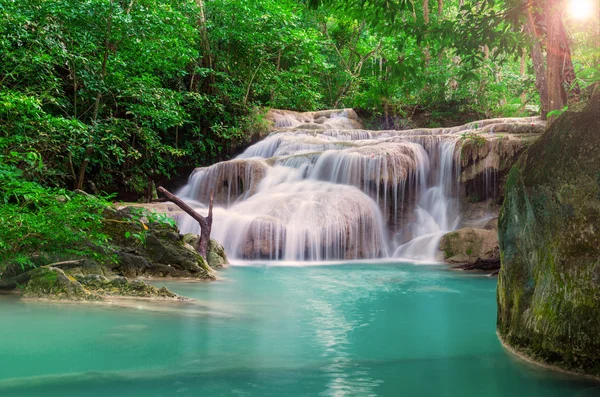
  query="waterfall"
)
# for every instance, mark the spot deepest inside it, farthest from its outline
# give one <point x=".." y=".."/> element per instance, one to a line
<point x="320" y="188"/>
<point x="437" y="212"/>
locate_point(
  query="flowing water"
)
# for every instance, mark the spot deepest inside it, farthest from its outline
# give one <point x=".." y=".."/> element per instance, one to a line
<point x="320" y="188"/>
<point x="317" y="189"/>
<point x="360" y="329"/>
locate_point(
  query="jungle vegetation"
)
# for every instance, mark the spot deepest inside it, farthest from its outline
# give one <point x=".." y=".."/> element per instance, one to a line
<point x="117" y="95"/>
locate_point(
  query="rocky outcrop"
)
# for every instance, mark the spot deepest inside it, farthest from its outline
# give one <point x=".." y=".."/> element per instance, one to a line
<point x="325" y="119"/>
<point x="151" y="249"/>
<point x="140" y="246"/>
<point x="217" y="258"/>
<point x="549" y="283"/>
<point x="485" y="161"/>
<point x="469" y="246"/>
<point x="53" y="283"/>
<point x="229" y="181"/>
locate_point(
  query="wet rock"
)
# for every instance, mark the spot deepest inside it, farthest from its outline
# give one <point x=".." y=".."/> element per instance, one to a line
<point x="549" y="284"/>
<point x="468" y="246"/>
<point x="161" y="252"/>
<point x="54" y="284"/>
<point x="230" y="180"/>
<point x="217" y="258"/>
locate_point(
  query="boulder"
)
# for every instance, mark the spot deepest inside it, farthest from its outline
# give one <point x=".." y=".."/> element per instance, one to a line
<point x="467" y="246"/>
<point x="549" y="228"/>
<point x="217" y="258"/>
<point x="52" y="283"/>
<point x="150" y="249"/>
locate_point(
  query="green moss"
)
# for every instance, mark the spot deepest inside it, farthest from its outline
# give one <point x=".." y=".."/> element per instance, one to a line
<point x="549" y="284"/>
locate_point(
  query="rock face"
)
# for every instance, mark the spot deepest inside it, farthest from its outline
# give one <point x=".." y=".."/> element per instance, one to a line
<point x="469" y="245"/>
<point x="549" y="283"/>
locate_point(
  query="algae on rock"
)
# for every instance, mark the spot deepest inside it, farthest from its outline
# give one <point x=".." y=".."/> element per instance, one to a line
<point x="53" y="283"/>
<point x="549" y="229"/>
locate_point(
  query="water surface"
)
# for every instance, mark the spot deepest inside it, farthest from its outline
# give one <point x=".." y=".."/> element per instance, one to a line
<point x="340" y="330"/>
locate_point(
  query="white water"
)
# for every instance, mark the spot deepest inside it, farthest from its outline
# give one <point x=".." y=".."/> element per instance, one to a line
<point x="315" y="193"/>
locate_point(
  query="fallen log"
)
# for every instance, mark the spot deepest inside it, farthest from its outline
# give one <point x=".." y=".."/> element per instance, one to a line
<point x="204" y="222"/>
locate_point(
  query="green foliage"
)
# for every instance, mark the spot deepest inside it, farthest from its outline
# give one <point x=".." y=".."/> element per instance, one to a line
<point x="38" y="222"/>
<point x="476" y="139"/>
<point x="558" y="112"/>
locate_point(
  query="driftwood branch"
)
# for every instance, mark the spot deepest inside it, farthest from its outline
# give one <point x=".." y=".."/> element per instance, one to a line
<point x="205" y="223"/>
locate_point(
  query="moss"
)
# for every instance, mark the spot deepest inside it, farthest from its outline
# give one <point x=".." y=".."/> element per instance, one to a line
<point x="548" y="287"/>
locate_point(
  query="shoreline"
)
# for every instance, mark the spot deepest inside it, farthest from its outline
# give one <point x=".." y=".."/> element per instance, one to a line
<point x="540" y="364"/>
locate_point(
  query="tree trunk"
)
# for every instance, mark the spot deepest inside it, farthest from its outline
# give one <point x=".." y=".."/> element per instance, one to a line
<point x="205" y="223"/>
<point x="572" y="92"/>
<point x="522" y="71"/>
<point x="555" y="58"/>
<point x="440" y="9"/>
<point x="539" y="64"/>
<point x="207" y="60"/>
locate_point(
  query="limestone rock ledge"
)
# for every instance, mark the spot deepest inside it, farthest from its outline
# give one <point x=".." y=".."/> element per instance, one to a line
<point x="549" y="229"/>
<point x="53" y="283"/>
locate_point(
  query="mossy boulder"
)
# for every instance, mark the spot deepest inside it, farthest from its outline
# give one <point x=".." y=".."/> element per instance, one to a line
<point x="549" y="228"/>
<point x="216" y="256"/>
<point x="468" y="245"/>
<point x="52" y="283"/>
<point x="151" y="249"/>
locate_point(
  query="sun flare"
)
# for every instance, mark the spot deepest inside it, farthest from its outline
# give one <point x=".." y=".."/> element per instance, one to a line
<point x="581" y="9"/>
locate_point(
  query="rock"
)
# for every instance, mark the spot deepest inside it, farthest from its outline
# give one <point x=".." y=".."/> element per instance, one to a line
<point x="161" y="252"/>
<point x="54" y="284"/>
<point x="549" y="283"/>
<point x="485" y="161"/>
<point x="217" y="258"/>
<point x="469" y="245"/>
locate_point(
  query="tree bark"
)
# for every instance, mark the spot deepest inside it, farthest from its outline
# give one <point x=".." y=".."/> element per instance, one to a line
<point x="207" y="59"/>
<point x="205" y="223"/>
<point x="572" y="92"/>
<point x="555" y="58"/>
<point x="539" y="64"/>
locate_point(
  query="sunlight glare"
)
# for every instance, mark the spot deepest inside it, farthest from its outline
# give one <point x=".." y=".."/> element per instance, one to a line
<point x="581" y="9"/>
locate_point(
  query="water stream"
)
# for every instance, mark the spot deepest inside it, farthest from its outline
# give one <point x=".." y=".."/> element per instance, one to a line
<point x="314" y="192"/>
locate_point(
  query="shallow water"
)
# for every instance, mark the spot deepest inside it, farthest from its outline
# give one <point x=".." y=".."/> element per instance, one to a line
<point x="342" y="330"/>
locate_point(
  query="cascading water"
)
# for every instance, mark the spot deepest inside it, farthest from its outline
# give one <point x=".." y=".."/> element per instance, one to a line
<point x="437" y="212"/>
<point x="319" y="188"/>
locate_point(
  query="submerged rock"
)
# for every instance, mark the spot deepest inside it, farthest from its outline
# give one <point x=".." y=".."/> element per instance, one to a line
<point x="549" y="283"/>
